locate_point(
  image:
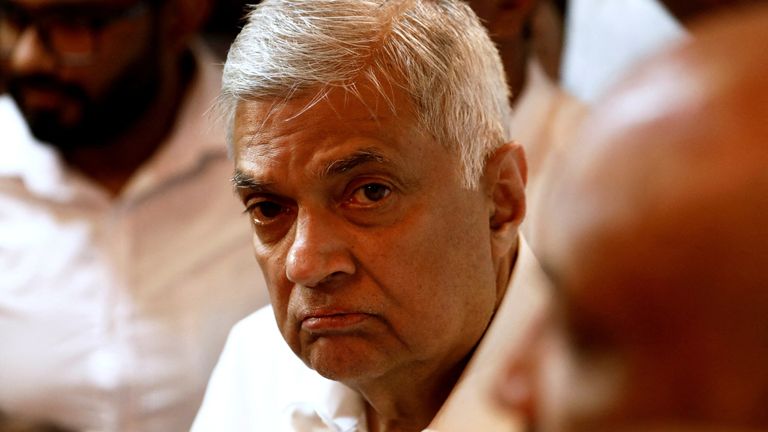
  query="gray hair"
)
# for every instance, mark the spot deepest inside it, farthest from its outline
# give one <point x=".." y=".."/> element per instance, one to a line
<point x="436" y="51"/>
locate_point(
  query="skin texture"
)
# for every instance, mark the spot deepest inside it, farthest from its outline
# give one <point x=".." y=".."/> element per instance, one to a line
<point x="383" y="270"/>
<point x="109" y="114"/>
<point x="659" y="319"/>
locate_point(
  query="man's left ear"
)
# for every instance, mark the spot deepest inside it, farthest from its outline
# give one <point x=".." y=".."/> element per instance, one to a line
<point x="506" y="173"/>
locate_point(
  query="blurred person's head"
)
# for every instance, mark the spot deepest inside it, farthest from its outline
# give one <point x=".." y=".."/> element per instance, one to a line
<point x="512" y="24"/>
<point x="84" y="71"/>
<point x="507" y="21"/>
<point x="655" y="237"/>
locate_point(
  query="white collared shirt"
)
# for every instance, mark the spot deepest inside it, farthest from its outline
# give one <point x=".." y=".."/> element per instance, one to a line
<point x="113" y="311"/>
<point x="259" y="384"/>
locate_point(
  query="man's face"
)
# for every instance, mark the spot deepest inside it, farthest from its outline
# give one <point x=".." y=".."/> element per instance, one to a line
<point x="85" y="102"/>
<point x="378" y="261"/>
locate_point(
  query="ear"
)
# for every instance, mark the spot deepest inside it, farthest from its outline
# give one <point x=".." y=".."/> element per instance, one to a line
<point x="506" y="173"/>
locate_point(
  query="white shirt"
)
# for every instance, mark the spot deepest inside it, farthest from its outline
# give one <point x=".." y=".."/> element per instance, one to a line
<point x="259" y="384"/>
<point x="113" y="311"/>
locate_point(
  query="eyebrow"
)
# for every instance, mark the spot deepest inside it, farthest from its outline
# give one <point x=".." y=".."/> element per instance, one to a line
<point x="360" y="157"/>
<point x="243" y="180"/>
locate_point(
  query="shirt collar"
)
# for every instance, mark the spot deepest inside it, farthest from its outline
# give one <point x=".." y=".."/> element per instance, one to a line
<point x="331" y="406"/>
<point x="470" y="406"/>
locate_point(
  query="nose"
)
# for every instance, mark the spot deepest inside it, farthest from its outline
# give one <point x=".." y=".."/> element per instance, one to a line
<point x="30" y="54"/>
<point x="320" y="251"/>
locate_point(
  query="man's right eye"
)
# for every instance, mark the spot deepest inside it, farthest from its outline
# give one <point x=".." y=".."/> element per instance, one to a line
<point x="265" y="212"/>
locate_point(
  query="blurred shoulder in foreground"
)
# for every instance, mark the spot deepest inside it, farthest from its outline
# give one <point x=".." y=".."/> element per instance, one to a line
<point x="654" y="236"/>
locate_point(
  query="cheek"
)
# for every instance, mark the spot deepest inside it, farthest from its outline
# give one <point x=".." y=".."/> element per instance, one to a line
<point x="272" y="264"/>
<point x="439" y="277"/>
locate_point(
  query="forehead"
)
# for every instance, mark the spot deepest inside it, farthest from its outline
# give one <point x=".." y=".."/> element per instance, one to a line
<point x="296" y="133"/>
<point x="298" y="141"/>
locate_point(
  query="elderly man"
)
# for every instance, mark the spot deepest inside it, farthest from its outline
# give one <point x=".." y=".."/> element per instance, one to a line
<point x="372" y="155"/>
<point x="124" y="262"/>
<point x="661" y="266"/>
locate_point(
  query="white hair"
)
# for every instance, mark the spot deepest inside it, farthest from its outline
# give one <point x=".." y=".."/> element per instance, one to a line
<point x="436" y="51"/>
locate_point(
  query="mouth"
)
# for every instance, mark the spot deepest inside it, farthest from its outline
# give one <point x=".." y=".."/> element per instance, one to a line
<point x="43" y="92"/>
<point x="330" y="322"/>
<point x="37" y="100"/>
<point x="42" y="98"/>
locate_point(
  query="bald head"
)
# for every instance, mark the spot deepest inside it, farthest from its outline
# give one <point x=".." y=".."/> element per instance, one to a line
<point x="671" y="171"/>
<point x="655" y="235"/>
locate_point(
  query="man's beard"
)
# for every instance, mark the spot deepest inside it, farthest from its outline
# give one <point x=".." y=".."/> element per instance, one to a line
<point x="99" y="121"/>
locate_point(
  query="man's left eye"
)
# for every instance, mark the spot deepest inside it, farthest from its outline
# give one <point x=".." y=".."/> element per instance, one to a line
<point x="371" y="193"/>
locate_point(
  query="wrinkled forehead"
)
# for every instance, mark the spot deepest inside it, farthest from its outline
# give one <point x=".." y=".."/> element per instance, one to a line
<point x="388" y="111"/>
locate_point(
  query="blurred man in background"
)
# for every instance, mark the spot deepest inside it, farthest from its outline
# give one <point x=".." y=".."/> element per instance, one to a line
<point x="124" y="262"/>
<point x="528" y="35"/>
<point x="659" y="268"/>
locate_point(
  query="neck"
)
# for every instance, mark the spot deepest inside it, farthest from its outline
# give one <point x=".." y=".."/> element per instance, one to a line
<point x="505" y="270"/>
<point x="113" y="164"/>
<point x="408" y="402"/>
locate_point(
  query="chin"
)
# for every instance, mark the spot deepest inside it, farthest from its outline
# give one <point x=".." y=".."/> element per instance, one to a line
<point x="344" y="362"/>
